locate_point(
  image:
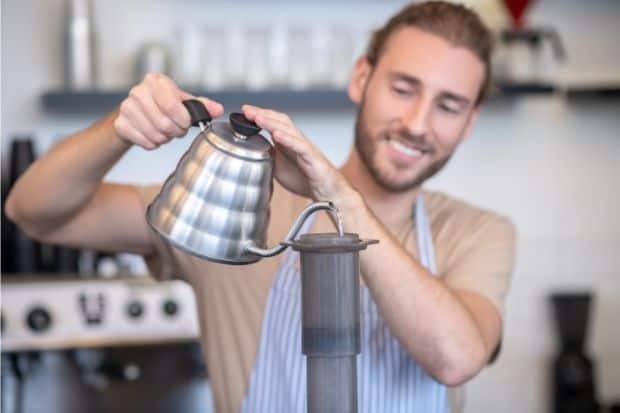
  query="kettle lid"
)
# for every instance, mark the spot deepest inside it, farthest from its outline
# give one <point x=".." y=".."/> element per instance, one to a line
<point x="241" y="137"/>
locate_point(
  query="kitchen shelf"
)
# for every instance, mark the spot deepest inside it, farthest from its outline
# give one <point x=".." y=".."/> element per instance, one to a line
<point x="66" y="101"/>
<point x="505" y="90"/>
<point x="284" y="99"/>
<point x="608" y="92"/>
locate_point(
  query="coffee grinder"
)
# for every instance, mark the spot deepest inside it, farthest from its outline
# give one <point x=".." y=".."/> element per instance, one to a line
<point x="574" y="384"/>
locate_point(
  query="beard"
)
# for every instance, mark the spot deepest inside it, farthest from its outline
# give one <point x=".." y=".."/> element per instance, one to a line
<point x="366" y="146"/>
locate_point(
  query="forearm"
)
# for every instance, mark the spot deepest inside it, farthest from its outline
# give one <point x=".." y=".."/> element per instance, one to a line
<point x="436" y="325"/>
<point x="422" y="312"/>
<point x="62" y="181"/>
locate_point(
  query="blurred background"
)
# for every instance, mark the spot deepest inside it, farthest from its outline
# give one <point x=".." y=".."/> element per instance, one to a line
<point x="544" y="152"/>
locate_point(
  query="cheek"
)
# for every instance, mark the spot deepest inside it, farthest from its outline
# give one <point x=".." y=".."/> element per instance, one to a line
<point x="381" y="105"/>
<point x="448" y="131"/>
<point x="373" y="125"/>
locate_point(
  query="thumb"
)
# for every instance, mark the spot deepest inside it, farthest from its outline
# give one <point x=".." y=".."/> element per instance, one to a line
<point x="214" y="108"/>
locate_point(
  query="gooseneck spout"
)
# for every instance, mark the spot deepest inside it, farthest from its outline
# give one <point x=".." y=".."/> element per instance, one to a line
<point x="310" y="209"/>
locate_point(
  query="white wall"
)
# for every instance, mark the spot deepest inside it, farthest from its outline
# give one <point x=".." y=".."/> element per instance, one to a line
<point x="552" y="168"/>
<point x="549" y="164"/>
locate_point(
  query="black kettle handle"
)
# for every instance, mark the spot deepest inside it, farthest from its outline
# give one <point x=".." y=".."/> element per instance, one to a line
<point x="197" y="111"/>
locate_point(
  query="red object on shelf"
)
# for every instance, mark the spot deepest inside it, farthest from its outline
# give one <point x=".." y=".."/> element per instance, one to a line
<point x="517" y="8"/>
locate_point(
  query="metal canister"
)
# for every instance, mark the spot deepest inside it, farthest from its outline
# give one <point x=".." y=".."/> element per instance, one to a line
<point x="80" y="63"/>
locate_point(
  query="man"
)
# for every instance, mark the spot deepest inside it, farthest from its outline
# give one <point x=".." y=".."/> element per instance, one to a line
<point x="433" y="286"/>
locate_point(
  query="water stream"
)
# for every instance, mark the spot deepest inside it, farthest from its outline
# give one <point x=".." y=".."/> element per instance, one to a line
<point x="338" y="218"/>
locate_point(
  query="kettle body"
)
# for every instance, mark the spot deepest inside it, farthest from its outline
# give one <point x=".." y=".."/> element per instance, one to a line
<point x="215" y="205"/>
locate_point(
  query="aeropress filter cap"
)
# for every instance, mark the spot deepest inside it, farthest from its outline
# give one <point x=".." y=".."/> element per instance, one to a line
<point x="329" y="242"/>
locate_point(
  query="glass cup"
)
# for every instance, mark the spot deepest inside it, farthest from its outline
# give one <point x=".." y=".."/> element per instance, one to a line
<point x="341" y="55"/>
<point x="188" y="68"/>
<point x="213" y="57"/>
<point x="300" y="56"/>
<point x="235" y="56"/>
<point x="257" y="67"/>
<point x="278" y="55"/>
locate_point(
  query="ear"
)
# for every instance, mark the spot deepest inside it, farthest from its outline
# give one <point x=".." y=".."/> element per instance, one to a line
<point x="359" y="79"/>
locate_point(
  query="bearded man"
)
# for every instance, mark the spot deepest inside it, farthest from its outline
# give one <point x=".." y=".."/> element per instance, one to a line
<point x="432" y="289"/>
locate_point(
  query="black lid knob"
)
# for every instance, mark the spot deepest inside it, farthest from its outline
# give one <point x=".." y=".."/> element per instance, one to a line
<point x="242" y="125"/>
<point x="197" y="111"/>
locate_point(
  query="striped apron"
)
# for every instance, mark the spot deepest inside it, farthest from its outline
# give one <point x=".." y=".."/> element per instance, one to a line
<point x="389" y="380"/>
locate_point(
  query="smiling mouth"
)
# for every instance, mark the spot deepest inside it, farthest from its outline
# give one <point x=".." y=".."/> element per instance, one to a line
<point x="404" y="149"/>
<point x="410" y="147"/>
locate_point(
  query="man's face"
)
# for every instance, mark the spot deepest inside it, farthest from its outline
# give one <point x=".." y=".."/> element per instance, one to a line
<point x="416" y="105"/>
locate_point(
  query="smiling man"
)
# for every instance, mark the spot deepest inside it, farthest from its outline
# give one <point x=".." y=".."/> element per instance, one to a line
<point x="433" y="289"/>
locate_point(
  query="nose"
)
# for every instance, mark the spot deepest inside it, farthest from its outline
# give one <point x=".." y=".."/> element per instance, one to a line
<point x="417" y="117"/>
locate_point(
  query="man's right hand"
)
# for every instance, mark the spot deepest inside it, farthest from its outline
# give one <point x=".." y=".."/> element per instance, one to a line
<point x="153" y="113"/>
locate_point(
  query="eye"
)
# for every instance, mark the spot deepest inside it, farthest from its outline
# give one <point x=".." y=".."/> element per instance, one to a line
<point x="450" y="107"/>
<point x="401" y="90"/>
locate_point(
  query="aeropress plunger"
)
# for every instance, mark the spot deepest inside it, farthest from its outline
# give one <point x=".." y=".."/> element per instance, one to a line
<point x="330" y="318"/>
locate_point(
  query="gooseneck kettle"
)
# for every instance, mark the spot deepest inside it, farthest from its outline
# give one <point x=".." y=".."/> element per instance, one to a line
<point x="215" y="205"/>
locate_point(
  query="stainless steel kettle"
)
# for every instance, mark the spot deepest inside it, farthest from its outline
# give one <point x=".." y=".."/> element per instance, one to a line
<point x="215" y="205"/>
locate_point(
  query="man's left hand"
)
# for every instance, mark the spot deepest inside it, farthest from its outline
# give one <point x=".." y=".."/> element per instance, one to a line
<point x="299" y="166"/>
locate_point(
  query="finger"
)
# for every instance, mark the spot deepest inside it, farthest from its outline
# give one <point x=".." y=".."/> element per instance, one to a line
<point x="214" y="108"/>
<point x="131" y="110"/>
<point x="166" y="96"/>
<point x="161" y="122"/>
<point x="249" y="111"/>
<point x="272" y="125"/>
<point x="305" y="153"/>
<point x="269" y="119"/>
<point x="252" y="111"/>
<point x="298" y="146"/>
<point x="169" y="98"/>
<point x="282" y="150"/>
<point x="128" y="132"/>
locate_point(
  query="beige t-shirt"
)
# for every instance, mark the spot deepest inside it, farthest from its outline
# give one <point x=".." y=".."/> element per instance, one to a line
<point x="474" y="250"/>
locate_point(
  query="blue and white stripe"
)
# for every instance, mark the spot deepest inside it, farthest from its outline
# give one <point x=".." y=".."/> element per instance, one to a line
<point x="389" y="380"/>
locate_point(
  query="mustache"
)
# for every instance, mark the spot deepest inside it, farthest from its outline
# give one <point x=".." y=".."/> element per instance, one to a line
<point x="418" y="141"/>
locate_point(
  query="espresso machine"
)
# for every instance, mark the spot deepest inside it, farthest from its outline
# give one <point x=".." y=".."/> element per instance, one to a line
<point x="77" y="340"/>
<point x="72" y="345"/>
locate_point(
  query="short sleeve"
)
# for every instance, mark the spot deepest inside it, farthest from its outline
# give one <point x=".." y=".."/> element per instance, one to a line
<point x="162" y="263"/>
<point x="485" y="260"/>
